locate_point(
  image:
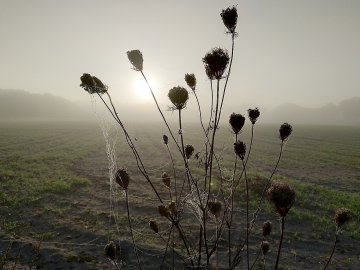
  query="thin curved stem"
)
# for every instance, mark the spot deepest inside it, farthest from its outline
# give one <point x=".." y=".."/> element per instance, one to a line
<point x="247" y="217"/>
<point x="332" y="251"/>
<point x="280" y="243"/>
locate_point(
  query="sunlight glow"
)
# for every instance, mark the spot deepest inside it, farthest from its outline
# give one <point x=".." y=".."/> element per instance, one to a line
<point x="142" y="90"/>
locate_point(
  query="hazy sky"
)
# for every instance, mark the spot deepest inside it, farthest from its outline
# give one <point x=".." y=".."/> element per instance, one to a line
<point x="305" y="51"/>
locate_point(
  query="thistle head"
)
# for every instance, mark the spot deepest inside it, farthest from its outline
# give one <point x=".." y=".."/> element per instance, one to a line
<point x="282" y="196"/>
<point x="342" y="216"/>
<point x="285" y="131"/>
<point x="154" y="226"/>
<point x="122" y="178"/>
<point x="165" y="139"/>
<point x="166" y="179"/>
<point x="110" y="250"/>
<point x="229" y="17"/>
<point x="253" y="115"/>
<point x="178" y="96"/>
<point x="189" y="150"/>
<point x="163" y="210"/>
<point x="265" y="247"/>
<point x="215" y="63"/>
<point x="172" y="208"/>
<point x="266" y="228"/>
<point x="236" y="122"/>
<point x="240" y="149"/>
<point x="136" y="59"/>
<point x="92" y="84"/>
<point x="190" y="81"/>
<point x="215" y="208"/>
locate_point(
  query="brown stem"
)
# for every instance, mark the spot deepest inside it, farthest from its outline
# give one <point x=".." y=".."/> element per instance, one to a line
<point x="332" y="251"/>
<point x="280" y="243"/>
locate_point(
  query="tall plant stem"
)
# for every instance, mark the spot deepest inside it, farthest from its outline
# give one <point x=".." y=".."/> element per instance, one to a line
<point x="332" y="251"/>
<point x="280" y="243"/>
<point x="174" y="171"/>
<point x="247" y="217"/>
<point x="131" y="229"/>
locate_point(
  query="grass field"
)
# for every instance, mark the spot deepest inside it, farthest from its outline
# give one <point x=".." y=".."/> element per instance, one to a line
<point x="54" y="199"/>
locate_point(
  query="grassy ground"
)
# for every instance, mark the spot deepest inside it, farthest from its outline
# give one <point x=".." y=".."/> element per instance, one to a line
<point x="54" y="200"/>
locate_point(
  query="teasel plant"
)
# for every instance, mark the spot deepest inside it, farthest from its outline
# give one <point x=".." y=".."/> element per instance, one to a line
<point x="210" y="195"/>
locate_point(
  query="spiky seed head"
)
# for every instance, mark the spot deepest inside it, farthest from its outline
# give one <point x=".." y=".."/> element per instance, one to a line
<point x="229" y="17"/>
<point x="190" y="81"/>
<point x="165" y="139"/>
<point x="253" y="115"/>
<point x="136" y="59"/>
<point x="282" y="196"/>
<point x="110" y="250"/>
<point x="163" y="210"/>
<point x="92" y="84"/>
<point x="172" y="208"/>
<point x="215" y="208"/>
<point x="285" y="131"/>
<point x="265" y="247"/>
<point x="166" y="179"/>
<point x="342" y="215"/>
<point x="240" y="149"/>
<point x="122" y="178"/>
<point x="154" y="226"/>
<point x="266" y="228"/>
<point x="236" y="122"/>
<point x="189" y="150"/>
<point x="178" y="96"/>
<point x="215" y="63"/>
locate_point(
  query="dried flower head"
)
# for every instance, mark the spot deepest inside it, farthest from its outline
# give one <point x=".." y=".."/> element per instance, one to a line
<point x="191" y="81"/>
<point x="136" y="59"/>
<point x="229" y="17"/>
<point x="163" y="210"/>
<point x="92" y="84"/>
<point x="282" y="196"/>
<point x="215" y="63"/>
<point x="154" y="226"/>
<point x="215" y="208"/>
<point x="240" y="149"/>
<point x="266" y="228"/>
<point x="285" y="131"/>
<point x="166" y="179"/>
<point x="253" y="115"/>
<point x="122" y="178"/>
<point x="172" y="208"/>
<point x="189" y="150"/>
<point x="265" y="246"/>
<point x="342" y="215"/>
<point x="178" y="96"/>
<point x="237" y="122"/>
<point x="165" y="139"/>
<point x="110" y="250"/>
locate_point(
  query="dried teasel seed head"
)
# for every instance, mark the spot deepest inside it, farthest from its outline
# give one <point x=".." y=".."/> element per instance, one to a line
<point x="236" y="122"/>
<point x="166" y="179"/>
<point x="190" y="81"/>
<point x="285" y="131"/>
<point x="172" y="208"/>
<point x="342" y="215"/>
<point x="154" y="226"/>
<point x="163" y="210"/>
<point x="165" y="139"/>
<point x="189" y="150"/>
<point x="110" y="250"/>
<point x="253" y="115"/>
<point x="215" y="63"/>
<point x="229" y="17"/>
<point x="178" y="96"/>
<point x="215" y="208"/>
<point x="266" y="228"/>
<point x="92" y="84"/>
<point x="240" y="149"/>
<point x="122" y="178"/>
<point x="265" y="247"/>
<point x="282" y="196"/>
<point x="136" y="59"/>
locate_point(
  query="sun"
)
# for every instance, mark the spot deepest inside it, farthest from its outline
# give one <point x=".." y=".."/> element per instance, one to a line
<point x="142" y="90"/>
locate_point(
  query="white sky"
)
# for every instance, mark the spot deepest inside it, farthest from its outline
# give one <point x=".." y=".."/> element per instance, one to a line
<point x="305" y="52"/>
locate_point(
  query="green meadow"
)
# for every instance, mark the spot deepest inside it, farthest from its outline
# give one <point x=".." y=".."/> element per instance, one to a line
<point x="55" y="194"/>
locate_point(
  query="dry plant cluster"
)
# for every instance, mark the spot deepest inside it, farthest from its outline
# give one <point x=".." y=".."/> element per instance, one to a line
<point x="209" y="196"/>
